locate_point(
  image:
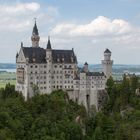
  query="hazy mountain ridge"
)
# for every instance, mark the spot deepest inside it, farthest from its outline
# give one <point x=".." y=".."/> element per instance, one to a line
<point x="117" y="68"/>
<point x="7" y="66"/>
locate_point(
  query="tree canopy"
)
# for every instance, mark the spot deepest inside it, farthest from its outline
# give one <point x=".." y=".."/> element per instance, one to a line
<point x="55" y="117"/>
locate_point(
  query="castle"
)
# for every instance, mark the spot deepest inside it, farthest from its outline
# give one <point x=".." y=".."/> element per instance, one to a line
<point x="49" y="69"/>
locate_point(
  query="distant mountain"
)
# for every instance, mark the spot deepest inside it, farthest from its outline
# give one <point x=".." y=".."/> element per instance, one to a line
<point x="7" y="66"/>
<point x="117" y="68"/>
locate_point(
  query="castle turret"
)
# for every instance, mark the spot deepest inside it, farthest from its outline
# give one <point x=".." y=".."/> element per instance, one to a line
<point x="85" y="68"/>
<point x="49" y="65"/>
<point x="49" y="51"/>
<point x="107" y="63"/>
<point x="35" y="36"/>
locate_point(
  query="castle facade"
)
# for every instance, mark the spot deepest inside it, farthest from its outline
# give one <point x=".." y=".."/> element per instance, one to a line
<point x="46" y="70"/>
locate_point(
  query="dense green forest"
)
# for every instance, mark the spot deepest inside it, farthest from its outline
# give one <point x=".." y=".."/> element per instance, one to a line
<point x="55" y="117"/>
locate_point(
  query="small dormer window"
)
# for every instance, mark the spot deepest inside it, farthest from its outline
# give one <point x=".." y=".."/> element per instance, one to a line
<point x="71" y="59"/>
<point x="33" y="59"/>
<point x="62" y="59"/>
<point x="58" y="60"/>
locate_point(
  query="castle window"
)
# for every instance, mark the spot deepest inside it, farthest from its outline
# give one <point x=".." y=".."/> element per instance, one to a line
<point x="44" y="66"/>
<point x="60" y="66"/>
<point x="55" y="66"/>
<point x="44" y="82"/>
<point x="44" y="77"/>
<point x="31" y="66"/>
<point x="44" y="72"/>
<point x="36" y="66"/>
<point x="44" y="87"/>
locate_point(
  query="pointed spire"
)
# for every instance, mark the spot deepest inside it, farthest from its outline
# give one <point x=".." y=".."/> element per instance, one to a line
<point x="49" y="43"/>
<point x="86" y="63"/>
<point x="35" y="36"/>
<point x="107" y="51"/>
<point x="17" y="55"/>
<point x="21" y="44"/>
<point x="35" y="29"/>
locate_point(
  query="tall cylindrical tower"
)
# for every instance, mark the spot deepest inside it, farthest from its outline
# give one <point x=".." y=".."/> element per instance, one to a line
<point x="107" y="63"/>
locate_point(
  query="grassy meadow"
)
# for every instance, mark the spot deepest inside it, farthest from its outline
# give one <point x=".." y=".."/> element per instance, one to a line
<point x="7" y="77"/>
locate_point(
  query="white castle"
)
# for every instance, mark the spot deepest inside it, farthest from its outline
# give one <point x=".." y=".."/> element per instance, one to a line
<point x="50" y="69"/>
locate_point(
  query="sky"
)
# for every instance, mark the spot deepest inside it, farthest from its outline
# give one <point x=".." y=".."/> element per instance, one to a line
<point x="88" y="26"/>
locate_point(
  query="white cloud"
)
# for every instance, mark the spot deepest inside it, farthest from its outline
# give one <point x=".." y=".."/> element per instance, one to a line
<point x="18" y="17"/>
<point x="19" y="8"/>
<point x="90" y="39"/>
<point x="98" y="27"/>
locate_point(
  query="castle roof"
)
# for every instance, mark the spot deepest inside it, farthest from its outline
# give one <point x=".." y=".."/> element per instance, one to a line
<point x="38" y="55"/>
<point x="67" y="55"/>
<point x="107" y="51"/>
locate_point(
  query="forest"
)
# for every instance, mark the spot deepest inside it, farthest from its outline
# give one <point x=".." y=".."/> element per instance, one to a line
<point x="56" y="117"/>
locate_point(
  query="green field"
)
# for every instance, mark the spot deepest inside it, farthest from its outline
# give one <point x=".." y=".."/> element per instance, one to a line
<point x="7" y="77"/>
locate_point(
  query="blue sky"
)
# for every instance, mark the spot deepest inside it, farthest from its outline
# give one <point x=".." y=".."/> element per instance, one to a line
<point x="88" y="26"/>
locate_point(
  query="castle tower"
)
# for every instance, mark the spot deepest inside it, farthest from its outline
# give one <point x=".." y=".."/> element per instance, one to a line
<point x="35" y="36"/>
<point x="107" y="63"/>
<point x="85" y="68"/>
<point x="49" y="66"/>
